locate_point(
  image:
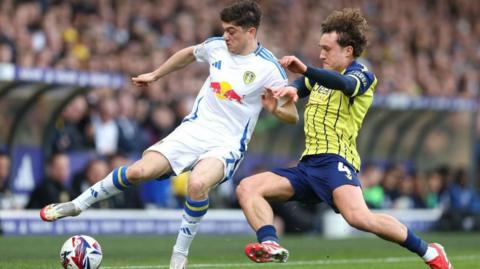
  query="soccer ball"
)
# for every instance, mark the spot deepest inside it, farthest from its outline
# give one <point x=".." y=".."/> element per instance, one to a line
<point x="81" y="252"/>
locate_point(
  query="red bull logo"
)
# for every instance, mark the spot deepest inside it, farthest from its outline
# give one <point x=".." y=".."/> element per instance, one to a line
<point x="223" y="90"/>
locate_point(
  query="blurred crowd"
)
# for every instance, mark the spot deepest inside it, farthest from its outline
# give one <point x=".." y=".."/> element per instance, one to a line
<point x="61" y="183"/>
<point x="416" y="47"/>
<point x="399" y="187"/>
<point x="428" y="48"/>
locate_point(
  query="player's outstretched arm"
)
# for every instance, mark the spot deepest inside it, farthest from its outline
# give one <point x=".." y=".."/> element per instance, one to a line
<point x="286" y="112"/>
<point x="332" y="80"/>
<point x="328" y="78"/>
<point x="177" y="61"/>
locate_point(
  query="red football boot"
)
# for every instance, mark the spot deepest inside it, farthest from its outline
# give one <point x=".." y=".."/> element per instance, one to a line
<point x="441" y="261"/>
<point x="54" y="212"/>
<point x="266" y="252"/>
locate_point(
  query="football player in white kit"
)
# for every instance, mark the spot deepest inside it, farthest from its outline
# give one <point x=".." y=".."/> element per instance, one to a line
<point x="212" y="139"/>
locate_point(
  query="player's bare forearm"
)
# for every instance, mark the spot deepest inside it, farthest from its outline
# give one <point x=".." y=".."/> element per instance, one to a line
<point x="287" y="113"/>
<point x="177" y="61"/>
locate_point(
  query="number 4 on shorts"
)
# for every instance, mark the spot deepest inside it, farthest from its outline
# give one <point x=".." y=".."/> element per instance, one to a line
<point x="343" y="168"/>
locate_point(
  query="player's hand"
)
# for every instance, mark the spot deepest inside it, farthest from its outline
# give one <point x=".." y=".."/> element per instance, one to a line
<point x="144" y="79"/>
<point x="269" y="101"/>
<point x="288" y="92"/>
<point x="293" y="64"/>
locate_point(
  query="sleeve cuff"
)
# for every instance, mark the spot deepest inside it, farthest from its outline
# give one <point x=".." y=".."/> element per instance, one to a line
<point x="308" y="72"/>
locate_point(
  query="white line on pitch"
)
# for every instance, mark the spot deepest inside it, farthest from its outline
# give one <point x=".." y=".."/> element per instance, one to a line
<point x="317" y="262"/>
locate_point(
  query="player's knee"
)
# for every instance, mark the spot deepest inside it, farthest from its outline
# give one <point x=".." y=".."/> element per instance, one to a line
<point x="134" y="174"/>
<point x="197" y="188"/>
<point x="358" y="220"/>
<point x="245" y="190"/>
<point x="241" y="191"/>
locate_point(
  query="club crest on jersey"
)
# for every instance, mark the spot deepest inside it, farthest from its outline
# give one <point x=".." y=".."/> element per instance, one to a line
<point x="248" y="77"/>
<point x="223" y="91"/>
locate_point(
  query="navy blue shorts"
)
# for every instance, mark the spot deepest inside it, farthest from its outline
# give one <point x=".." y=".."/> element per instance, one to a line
<point x="316" y="176"/>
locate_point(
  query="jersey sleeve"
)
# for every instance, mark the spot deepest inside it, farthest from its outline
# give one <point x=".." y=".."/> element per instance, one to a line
<point x="364" y="80"/>
<point x="332" y="79"/>
<point x="202" y="52"/>
<point x="276" y="80"/>
<point x="303" y="86"/>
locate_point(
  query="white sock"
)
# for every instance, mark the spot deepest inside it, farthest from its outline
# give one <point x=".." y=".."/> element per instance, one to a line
<point x="111" y="185"/>
<point x="186" y="234"/>
<point x="430" y="254"/>
<point x="271" y="242"/>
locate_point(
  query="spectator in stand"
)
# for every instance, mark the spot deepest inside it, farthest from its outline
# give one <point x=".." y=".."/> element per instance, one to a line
<point x="69" y="131"/>
<point x="106" y="131"/>
<point x="407" y="196"/>
<point x="464" y="210"/>
<point x="53" y="188"/>
<point x="436" y="194"/>
<point x="370" y="177"/>
<point x="162" y="122"/>
<point x="390" y="183"/>
<point x="6" y="51"/>
<point x="131" y="137"/>
<point x="462" y="197"/>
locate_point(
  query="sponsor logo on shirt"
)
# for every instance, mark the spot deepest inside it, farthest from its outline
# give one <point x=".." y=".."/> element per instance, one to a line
<point x="223" y="91"/>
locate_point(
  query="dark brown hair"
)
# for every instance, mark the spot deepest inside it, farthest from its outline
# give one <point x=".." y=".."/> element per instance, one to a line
<point x="351" y="28"/>
<point x="245" y="14"/>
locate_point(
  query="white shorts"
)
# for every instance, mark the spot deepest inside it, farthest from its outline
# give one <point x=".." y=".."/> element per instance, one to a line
<point x="189" y="143"/>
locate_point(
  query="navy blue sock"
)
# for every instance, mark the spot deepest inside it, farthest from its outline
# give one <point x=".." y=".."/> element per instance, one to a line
<point x="267" y="233"/>
<point x="415" y="244"/>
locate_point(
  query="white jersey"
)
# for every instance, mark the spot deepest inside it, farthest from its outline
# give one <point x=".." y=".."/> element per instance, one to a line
<point x="229" y="103"/>
<point x="226" y="109"/>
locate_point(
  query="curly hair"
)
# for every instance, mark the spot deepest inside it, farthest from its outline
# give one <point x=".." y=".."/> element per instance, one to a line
<point x="351" y="28"/>
<point x="244" y="13"/>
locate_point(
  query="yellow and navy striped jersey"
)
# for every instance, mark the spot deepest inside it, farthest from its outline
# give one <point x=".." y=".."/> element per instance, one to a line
<point x="333" y="118"/>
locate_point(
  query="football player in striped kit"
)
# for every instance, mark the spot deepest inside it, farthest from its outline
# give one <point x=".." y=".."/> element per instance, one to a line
<point x="339" y="95"/>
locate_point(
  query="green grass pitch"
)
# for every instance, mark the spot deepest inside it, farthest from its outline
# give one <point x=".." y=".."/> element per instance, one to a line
<point x="312" y="251"/>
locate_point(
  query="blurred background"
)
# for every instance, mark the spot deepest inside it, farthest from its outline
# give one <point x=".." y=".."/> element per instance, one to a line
<point x="69" y="114"/>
